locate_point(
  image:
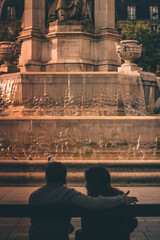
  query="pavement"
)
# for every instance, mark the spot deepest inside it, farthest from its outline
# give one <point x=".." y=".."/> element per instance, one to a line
<point x="17" y="228"/>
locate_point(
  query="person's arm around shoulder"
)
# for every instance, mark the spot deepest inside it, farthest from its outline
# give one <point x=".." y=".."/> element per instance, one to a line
<point x="101" y="203"/>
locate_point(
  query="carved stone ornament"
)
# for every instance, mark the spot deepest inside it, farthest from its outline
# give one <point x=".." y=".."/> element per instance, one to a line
<point x="129" y="50"/>
<point x="9" y="52"/>
<point x="6" y="51"/>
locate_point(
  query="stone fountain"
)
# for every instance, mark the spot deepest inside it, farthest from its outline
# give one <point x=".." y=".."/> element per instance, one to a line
<point x="73" y="102"/>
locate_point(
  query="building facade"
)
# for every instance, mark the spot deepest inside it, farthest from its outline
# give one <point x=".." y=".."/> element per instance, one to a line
<point x="134" y="10"/>
<point x="11" y="10"/>
<point x="139" y="10"/>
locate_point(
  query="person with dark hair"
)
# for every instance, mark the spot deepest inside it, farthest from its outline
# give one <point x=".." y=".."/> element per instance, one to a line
<point x="55" y="192"/>
<point x="98" y="183"/>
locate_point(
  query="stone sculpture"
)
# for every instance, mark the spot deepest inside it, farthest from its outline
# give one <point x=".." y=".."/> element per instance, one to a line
<point x="129" y="51"/>
<point x="69" y="10"/>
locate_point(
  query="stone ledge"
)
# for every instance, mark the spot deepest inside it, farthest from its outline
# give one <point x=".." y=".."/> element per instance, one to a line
<point x="129" y="178"/>
<point x="78" y="163"/>
<point x="122" y="166"/>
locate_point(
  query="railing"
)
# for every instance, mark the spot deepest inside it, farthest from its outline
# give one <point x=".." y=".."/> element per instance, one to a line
<point x="25" y="210"/>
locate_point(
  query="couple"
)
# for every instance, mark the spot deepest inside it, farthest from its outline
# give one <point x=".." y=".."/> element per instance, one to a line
<point x="101" y="196"/>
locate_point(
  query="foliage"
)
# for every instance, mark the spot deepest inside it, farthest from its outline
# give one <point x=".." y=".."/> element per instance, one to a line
<point x="150" y="40"/>
<point x="10" y="31"/>
<point x="158" y="71"/>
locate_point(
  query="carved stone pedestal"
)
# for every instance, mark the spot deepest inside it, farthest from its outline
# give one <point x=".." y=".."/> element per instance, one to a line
<point x="70" y="44"/>
<point x="8" y="68"/>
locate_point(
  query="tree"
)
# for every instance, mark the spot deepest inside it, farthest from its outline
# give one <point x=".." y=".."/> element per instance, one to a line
<point x="10" y="31"/>
<point x="150" y="40"/>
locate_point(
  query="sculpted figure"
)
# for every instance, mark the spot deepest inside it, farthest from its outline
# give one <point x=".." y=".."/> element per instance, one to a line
<point x="69" y="10"/>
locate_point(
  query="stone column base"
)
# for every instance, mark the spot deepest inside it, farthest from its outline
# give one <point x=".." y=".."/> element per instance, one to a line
<point x="130" y="67"/>
<point x="31" y="66"/>
<point x="69" y="66"/>
<point x="31" y="59"/>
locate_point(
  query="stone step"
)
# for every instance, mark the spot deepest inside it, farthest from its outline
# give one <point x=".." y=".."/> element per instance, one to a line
<point x="74" y="178"/>
<point x="82" y="165"/>
<point x="124" y="172"/>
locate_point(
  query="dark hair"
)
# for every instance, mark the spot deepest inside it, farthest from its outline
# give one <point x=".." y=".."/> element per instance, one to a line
<point x="97" y="178"/>
<point x="56" y="173"/>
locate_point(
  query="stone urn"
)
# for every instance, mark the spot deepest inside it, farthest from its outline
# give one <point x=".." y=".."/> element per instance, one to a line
<point x="129" y="51"/>
<point x="7" y="55"/>
<point x="6" y="51"/>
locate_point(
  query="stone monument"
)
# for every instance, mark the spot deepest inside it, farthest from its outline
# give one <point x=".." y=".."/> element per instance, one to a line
<point x="78" y="39"/>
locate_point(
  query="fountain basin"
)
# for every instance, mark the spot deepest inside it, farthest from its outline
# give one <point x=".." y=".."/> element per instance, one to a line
<point x="72" y="94"/>
<point x="80" y="137"/>
<point x="79" y="117"/>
